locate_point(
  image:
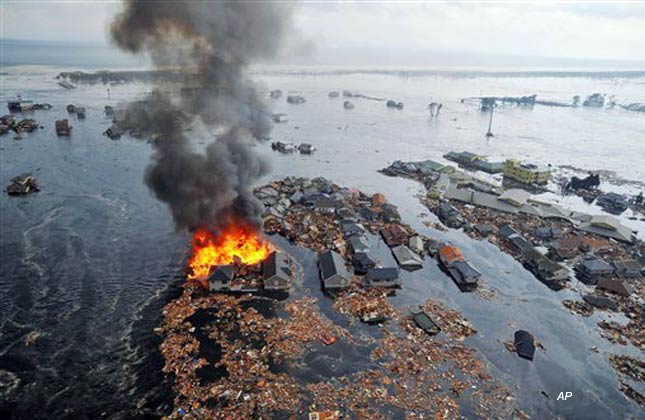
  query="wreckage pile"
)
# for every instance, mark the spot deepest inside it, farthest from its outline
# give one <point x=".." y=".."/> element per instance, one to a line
<point x="229" y="354"/>
<point x="9" y="123"/>
<point x="22" y="185"/>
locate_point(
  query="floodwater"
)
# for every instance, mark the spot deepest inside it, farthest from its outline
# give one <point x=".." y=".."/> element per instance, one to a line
<point x="89" y="261"/>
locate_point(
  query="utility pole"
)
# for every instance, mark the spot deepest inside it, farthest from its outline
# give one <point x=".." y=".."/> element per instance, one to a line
<point x="490" y="134"/>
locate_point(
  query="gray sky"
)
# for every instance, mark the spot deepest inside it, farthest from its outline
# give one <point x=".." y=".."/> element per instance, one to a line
<point x="403" y="31"/>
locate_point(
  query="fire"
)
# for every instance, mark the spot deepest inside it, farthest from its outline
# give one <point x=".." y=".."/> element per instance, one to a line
<point x="235" y="241"/>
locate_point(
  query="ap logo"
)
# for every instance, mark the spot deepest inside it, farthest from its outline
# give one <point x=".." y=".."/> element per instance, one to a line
<point x="565" y="395"/>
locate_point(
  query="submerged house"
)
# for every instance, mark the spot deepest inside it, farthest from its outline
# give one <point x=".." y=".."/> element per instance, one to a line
<point x="358" y="244"/>
<point x="591" y="270"/>
<point x="382" y="277"/>
<point x="394" y="235"/>
<point x="363" y="261"/>
<point x="423" y="321"/>
<point x="407" y="259"/>
<point x="464" y="275"/>
<point x="276" y="271"/>
<point x="333" y="272"/>
<point x="451" y="216"/>
<point x="628" y="268"/>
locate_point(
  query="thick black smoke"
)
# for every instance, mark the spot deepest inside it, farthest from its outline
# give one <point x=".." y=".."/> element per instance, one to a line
<point x="212" y="42"/>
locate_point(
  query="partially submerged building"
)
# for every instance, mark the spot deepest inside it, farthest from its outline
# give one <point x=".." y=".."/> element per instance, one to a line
<point x="363" y="262"/>
<point x="423" y="321"/>
<point x="333" y="272"/>
<point x="382" y="277"/>
<point x="526" y="173"/>
<point x="591" y="270"/>
<point x="406" y="258"/>
<point x="63" y="128"/>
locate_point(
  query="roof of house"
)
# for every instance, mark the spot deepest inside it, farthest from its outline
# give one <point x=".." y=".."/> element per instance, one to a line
<point x="609" y="227"/>
<point x="596" y="265"/>
<point x="515" y="196"/>
<point x="331" y="263"/>
<point x="424" y="322"/>
<point x="465" y="270"/>
<point x="359" y="244"/>
<point x="615" y="286"/>
<point x="222" y="273"/>
<point x="507" y="230"/>
<point x="276" y="264"/>
<point x="405" y="256"/>
<point x="382" y="274"/>
<point x="628" y="265"/>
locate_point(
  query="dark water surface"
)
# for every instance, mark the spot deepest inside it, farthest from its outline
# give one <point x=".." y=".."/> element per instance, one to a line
<point x="89" y="261"/>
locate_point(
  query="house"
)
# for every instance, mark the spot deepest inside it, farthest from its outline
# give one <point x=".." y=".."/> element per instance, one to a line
<point x="63" y="128"/>
<point x="306" y="148"/>
<point x="389" y="212"/>
<point x="524" y="344"/>
<point x="280" y="118"/>
<point x="276" y="271"/>
<point x="450" y="216"/>
<point x="463" y="158"/>
<point x="351" y="228"/>
<point x="296" y="99"/>
<point x="519" y="243"/>
<point x="475" y="162"/>
<point x="378" y="199"/>
<point x="614" y="286"/>
<point x="333" y="272"/>
<point x="415" y="243"/>
<point x="608" y="227"/>
<point x="613" y="203"/>
<point x="566" y="248"/>
<point x="382" y="277"/>
<point x="546" y="270"/>
<point x="19" y="106"/>
<point x="464" y="275"/>
<point x="363" y="261"/>
<point x="600" y="302"/>
<point x="485" y="229"/>
<point x="423" y="321"/>
<point x="282" y="146"/>
<point x="590" y="270"/>
<point x="547" y="233"/>
<point x="220" y="278"/>
<point x="325" y="205"/>
<point x="628" y="268"/>
<point x="506" y="231"/>
<point x="407" y="259"/>
<point x="394" y="235"/>
<point x="526" y="173"/>
<point x="358" y="244"/>
<point x="515" y="197"/>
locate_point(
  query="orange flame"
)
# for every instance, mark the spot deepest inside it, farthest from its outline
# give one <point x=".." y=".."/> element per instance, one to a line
<point x="236" y="240"/>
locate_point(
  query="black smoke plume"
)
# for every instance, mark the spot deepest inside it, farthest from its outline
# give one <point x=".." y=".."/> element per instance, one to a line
<point x="212" y="43"/>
